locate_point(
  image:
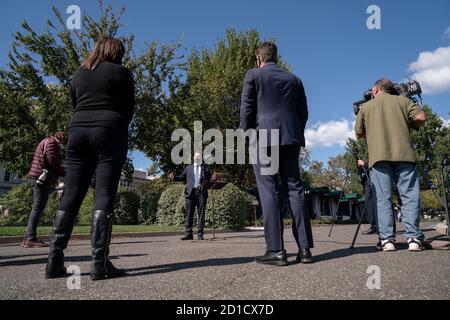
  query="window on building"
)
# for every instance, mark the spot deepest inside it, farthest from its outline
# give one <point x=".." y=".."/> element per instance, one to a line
<point x="7" y="176"/>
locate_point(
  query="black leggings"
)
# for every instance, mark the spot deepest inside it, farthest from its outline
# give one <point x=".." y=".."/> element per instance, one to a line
<point x="90" y="150"/>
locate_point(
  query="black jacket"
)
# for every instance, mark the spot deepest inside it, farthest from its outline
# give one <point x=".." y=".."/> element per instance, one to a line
<point x="188" y="177"/>
<point x="103" y="97"/>
<point x="273" y="98"/>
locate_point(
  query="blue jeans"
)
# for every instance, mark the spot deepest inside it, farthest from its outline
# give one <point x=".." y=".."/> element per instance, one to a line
<point x="405" y="175"/>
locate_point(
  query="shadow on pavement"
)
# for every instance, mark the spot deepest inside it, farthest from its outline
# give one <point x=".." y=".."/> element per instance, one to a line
<point x="164" y="268"/>
<point x="23" y="256"/>
<point x="253" y="236"/>
<point x="115" y="242"/>
<point x="345" y="252"/>
<point x="66" y="259"/>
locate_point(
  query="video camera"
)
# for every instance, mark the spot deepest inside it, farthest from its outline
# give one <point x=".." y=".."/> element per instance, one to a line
<point x="406" y="89"/>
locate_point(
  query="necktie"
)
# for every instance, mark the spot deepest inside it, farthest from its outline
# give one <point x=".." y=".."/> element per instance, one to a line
<point x="197" y="180"/>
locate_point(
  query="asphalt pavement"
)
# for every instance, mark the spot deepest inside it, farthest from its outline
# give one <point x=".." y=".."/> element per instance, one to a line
<point x="163" y="267"/>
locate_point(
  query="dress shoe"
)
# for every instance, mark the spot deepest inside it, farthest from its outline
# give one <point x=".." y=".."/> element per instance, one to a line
<point x="34" y="243"/>
<point x="371" y="230"/>
<point x="200" y="237"/>
<point x="276" y="258"/>
<point x="188" y="237"/>
<point x="304" y="256"/>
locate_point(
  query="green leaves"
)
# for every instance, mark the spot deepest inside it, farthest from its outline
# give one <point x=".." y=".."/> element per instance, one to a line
<point x="172" y="91"/>
<point x="230" y="207"/>
<point x="210" y="92"/>
<point x="126" y="206"/>
<point x="34" y="88"/>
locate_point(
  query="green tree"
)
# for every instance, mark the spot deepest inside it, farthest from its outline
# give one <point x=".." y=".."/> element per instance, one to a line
<point x="34" y="86"/>
<point x="316" y="171"/>
<point x="339" y="174"/>
<point x="304" y="163"/>
<point x="210" y="93"/>
<point x="432" y="144"/>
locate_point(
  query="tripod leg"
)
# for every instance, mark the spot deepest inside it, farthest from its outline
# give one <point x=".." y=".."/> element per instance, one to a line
<point x="332" y="221"/>
<point x="445" y="202"/>
<point x="344" y="185"/>
<point x="212" y="216"/>
<point x="360" y="219"/>
<point x="334" y="214"/>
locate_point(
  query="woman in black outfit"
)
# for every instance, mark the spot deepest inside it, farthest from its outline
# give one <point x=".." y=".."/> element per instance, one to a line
<point x="103" y="97"/>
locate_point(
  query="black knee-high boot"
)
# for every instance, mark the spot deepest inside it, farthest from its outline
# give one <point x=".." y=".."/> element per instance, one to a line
<point x="62" y="229"/>
<point x="100" y="237"/>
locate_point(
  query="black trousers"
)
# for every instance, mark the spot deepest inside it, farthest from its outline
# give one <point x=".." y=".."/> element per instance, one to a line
<point x="268" y="188"/>
<point x="371" y="213"/>
<point x="196" y="199"/>
<point x="90" y="150"/>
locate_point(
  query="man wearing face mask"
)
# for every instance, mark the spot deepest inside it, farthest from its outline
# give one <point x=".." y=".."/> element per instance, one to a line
<point x="197" y="178"/>
<point x="274" y="99"/>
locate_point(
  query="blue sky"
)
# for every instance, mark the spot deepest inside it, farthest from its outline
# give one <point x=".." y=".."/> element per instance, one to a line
<point x="327" y="43"/>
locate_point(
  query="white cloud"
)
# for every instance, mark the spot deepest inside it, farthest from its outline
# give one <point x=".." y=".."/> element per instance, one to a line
<point x="329" y="134"/>
<point x="446" y="122"/>
<point x="432" y="70"/>
<point x="447" y="33"/>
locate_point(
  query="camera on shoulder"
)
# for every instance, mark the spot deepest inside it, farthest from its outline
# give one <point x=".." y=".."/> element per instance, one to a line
<point x="405" y="89"/>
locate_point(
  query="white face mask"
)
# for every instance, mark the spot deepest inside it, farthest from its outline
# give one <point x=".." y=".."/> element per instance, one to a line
<point x="197" y="161"/>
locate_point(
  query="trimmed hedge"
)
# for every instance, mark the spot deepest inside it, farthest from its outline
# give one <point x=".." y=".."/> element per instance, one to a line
<point x="169" y="211"/>
<point x="85" y="214"/>
<point x="52" y="206"/>
<point x="19" y="200"/>
<point x="126" y="206"/>
<point x="149" y="193"/>
<point x="231" y="208"/>
<point x="230" y="205"/>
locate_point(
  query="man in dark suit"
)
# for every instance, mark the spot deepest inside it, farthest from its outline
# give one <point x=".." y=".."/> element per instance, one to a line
<point x="273" y="98"/>
<point x="197" y="178"/>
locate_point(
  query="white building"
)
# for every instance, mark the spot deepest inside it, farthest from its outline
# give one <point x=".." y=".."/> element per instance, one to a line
<point x="7" y="180"/>
<point x="139" y="177"/>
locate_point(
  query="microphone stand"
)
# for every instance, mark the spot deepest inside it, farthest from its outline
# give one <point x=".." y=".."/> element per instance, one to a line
<point x="214" y="238"/>
<point x="212" y="214"/>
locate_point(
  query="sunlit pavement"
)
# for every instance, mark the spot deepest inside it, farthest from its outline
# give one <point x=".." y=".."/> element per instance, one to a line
<point x="164" y="267"/>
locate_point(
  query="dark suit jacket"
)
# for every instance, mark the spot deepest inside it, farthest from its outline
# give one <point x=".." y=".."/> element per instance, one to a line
<point x="188" y="177"/>
<point x="273" y="98"/>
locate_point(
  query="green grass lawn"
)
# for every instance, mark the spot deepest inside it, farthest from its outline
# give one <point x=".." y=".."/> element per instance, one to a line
<point x="81" y="230"/>
<point x="47" y="230"/>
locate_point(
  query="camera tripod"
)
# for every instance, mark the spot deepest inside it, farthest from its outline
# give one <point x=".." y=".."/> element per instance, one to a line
<point x="366" y="205"/>
<point x="356" y="157"/>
